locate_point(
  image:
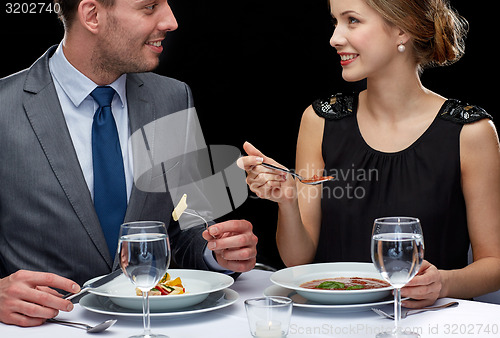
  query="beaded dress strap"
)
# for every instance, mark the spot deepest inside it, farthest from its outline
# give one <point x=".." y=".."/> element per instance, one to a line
<point x="462" y="113"/>
<point x="342" y="105"/>
<point x="336" y="106"/>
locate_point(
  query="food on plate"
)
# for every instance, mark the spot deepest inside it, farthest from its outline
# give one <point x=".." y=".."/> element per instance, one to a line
<point x="166" y="286"/>
<point x="345" y="283"/>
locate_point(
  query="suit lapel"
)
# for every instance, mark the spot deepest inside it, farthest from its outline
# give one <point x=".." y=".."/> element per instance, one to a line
<point x="46" y="117"/>
<point x="140" y="112"/>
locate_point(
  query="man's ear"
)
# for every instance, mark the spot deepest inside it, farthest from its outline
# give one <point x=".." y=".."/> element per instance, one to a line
<point x="88" y="15"/>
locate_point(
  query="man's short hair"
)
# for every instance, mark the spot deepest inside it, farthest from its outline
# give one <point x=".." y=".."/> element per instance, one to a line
<point x="68" y="9"/>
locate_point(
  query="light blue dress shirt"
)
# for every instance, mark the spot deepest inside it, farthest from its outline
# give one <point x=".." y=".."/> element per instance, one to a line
<point x="79" y="107"/>
<point x="73" y="89"/>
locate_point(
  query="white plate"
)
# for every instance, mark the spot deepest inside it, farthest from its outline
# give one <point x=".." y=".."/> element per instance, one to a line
<point x="292" y="278"/>
<point x="215" y="300"/>
<point x="198" y="284"/>
<point x="301" y="302"/>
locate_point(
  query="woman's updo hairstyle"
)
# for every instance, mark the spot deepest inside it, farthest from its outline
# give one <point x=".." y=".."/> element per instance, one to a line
<point x="437" y="30"/>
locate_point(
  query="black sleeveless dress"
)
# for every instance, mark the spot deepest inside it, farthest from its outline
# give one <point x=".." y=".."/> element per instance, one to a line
<point x="421" y="181"/>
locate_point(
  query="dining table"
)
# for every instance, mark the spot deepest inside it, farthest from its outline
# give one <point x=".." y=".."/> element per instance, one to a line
<point x="468" y="319"/>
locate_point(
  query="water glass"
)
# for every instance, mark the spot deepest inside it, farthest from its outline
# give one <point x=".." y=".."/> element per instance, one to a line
<point x="397" y="252"/>
<point x="144" y="252"/>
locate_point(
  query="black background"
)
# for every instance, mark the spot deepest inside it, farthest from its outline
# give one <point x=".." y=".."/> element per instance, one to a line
<point x="254" y="66"/>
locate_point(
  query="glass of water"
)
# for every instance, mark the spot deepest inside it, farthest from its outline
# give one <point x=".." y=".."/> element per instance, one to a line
<point x="144" y="252"/>
<point x="397" y="252"/>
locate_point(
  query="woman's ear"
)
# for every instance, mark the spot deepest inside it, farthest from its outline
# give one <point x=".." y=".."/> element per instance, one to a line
<point x="403" y="36"/>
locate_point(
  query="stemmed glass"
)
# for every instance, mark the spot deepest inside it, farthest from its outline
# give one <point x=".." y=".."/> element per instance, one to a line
<point x="397" y="252"/>
<point x="144" y="252"/>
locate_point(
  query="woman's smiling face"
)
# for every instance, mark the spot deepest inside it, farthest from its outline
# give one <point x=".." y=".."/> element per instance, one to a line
<point x="365" y="42"/>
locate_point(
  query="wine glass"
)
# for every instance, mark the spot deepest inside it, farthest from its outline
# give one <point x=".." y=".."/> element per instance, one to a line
<point x="397" y="252"/>
<point x="144" y="252"/>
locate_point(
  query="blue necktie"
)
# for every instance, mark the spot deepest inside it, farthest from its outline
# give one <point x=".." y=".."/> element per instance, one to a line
<point x="110" y="195"/>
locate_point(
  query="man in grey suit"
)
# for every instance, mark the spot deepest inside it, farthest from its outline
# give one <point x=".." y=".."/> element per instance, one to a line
<point x="50" y="234"/>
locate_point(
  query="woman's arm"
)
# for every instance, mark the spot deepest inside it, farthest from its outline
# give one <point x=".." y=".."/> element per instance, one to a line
<point x="480" y="160"/>
<point x="299" y="220"/>
<point x="299" y="215"/>
<point x="278" y="187"/>
<point x="480" y="168"/>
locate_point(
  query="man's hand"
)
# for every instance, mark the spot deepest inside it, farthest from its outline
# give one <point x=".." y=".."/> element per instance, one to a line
<point x="234" y="244"/>
<point x="26" y="297"/>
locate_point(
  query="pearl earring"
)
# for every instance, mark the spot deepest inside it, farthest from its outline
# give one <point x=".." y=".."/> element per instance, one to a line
<point x="401" y="47"/>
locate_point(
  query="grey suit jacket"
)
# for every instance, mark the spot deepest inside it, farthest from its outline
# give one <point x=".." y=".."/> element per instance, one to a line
<point x="47" y="217"/>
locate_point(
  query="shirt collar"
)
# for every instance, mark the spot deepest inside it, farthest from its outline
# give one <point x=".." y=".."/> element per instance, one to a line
<point x="76" y="85"/>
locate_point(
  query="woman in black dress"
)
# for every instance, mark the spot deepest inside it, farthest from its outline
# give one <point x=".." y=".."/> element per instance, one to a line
<point x="395" y="149"/>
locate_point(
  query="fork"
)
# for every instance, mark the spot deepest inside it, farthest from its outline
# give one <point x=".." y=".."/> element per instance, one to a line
<point x="300" y="178"/>
<point x="415" y="311"/>
<point x="195" y="213"/>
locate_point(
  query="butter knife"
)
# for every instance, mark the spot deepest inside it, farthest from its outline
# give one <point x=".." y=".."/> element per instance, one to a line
<point x="95" y="284"/>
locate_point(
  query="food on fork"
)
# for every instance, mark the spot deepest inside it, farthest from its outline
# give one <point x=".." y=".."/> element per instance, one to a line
<point x="180" y="208"/>
<point x="317" y="178"/>
<point x="165" y="287"/>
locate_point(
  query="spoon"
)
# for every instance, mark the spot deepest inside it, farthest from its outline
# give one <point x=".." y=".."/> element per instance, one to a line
<point x="90" y="329"/>
<point x="311" y="181"/>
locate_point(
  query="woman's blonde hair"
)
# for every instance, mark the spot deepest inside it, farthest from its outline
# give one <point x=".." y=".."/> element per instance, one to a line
<point x="437" y="30"/>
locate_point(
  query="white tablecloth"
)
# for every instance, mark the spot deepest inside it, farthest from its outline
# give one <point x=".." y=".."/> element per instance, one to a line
<point x="469" y="319"/>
